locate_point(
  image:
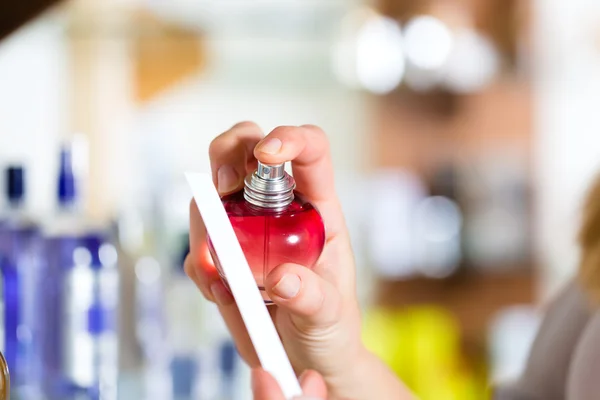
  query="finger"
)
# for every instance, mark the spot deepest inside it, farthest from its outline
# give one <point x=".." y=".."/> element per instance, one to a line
<point x="231" y="156"/>
<point x="233" y="319"/>
<point x="191" y="272"/>
<point x="199" y="265"/>
<point x="310" y="299"/>
<point x="264" y="386"/>
<point x="313" y="385"/>
<point x="209" y="282"/>
<point x="308" y="149"/>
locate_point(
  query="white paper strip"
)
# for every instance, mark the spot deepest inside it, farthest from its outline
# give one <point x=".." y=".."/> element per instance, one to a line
<point x="258" y="322"/>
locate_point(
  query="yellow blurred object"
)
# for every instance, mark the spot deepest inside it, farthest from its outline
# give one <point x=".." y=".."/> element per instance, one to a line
<point x="422" y="346"/>
<point x="163" y="56"/>
<point x="387" y="334"/>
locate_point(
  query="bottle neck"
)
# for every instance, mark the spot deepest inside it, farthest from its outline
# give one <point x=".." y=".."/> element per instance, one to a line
<point x="16" y="205"/>
<point x="15" y="210"/>
<point x="69" y="207"/>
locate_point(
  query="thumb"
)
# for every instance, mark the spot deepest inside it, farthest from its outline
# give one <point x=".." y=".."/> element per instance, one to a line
<point x="313" y="386"/>
<point x="265" y="387"/>
<point x="313" y="301"/>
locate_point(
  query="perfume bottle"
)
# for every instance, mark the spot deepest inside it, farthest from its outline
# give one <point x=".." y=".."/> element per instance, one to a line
<point x="273" y="224"/>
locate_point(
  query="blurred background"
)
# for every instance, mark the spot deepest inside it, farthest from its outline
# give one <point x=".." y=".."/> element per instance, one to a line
<point x="464" y="134"/>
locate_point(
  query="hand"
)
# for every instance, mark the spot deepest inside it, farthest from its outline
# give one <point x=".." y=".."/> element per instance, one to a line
<point x="316" y="312"/>
<point x="264" y="386"/>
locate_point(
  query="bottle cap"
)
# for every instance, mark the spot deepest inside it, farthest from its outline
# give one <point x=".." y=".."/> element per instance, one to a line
<point x="269" y="187"/>
<point x="15" y="183"/>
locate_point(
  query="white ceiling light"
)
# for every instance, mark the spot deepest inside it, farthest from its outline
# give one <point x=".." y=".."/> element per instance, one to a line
<point x="369" y="55"/>
<point x="473" y="62"/>
<point x="428" y="42"/>
<point x="380" y="59"/>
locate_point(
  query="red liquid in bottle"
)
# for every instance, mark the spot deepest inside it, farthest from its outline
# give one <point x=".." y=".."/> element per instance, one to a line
<point x="294" y="234"/>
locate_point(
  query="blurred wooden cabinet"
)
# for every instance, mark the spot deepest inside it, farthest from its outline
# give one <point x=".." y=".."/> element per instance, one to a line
<point x="164" y="55"/>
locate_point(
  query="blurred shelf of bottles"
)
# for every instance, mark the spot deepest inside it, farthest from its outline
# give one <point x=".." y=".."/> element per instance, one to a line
<point x="450" y="244"/>
<point x="462" y="218"/>
<point x="91" y="311"/>
<point x="451" y="250"/>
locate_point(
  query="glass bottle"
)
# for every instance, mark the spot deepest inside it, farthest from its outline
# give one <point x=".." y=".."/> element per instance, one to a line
<point x="273" y="224"/>
<point x="79" y="297"/>
<point x="20" y="261"/>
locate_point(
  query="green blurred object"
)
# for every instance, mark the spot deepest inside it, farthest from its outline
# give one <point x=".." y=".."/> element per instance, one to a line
<point x="421" y="344"/>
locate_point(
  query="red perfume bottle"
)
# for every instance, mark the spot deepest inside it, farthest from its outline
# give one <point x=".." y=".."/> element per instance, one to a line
<point x="273" y="224"/>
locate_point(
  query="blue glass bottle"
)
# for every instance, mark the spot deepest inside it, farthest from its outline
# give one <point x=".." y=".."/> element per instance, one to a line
<point x="228" y="363"/>
<point x="90" y="340"/>
<point x="184" y="318"/>
<point x="79" y="300"/>
<point x="20" y="251"/>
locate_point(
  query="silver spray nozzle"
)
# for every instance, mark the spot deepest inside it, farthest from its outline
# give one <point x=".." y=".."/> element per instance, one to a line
<point x="269" y="186"/>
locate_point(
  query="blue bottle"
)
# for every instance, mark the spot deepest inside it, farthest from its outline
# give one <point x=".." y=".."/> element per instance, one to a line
<point x="228" y="359"/>
<point x="184" y="373"/>
<point x="20" y="251"/>
<point x="62" y="237"/>
<point x="182" y="332"/>
<point x="90" y="340"/>
<point x="79" y="300"/>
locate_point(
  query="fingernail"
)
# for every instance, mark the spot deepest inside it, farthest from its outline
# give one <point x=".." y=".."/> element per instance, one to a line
<point x="288" y="286"/>
<point x="270" y="146"/>
<point x="220" y="293"/>
<point x="227" y="179"/>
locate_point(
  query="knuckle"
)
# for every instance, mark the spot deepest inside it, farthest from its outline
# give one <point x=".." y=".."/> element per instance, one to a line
<point x="213" y="148"/>
<point x="234" y="138"/>
<point x="206" y="294"/>
<point x="188" y="267"/>
<point x="317" y="133"/>
<point x="245" y="125"/>
<point x="314" y="128"/>
<point x="315" y="304"/>
<point x="284" y="131"/>
<point x="218" y="144"/>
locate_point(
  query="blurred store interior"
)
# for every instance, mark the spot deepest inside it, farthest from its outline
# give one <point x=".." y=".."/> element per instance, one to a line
<point x="463" y="134"/>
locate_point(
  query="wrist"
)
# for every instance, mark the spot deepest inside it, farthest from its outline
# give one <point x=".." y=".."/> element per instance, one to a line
<point x="366" y="378"/>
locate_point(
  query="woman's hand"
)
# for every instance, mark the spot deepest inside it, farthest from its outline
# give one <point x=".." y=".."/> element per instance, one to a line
<point x="264" y="386"/>
<point x="316" y="313"/>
